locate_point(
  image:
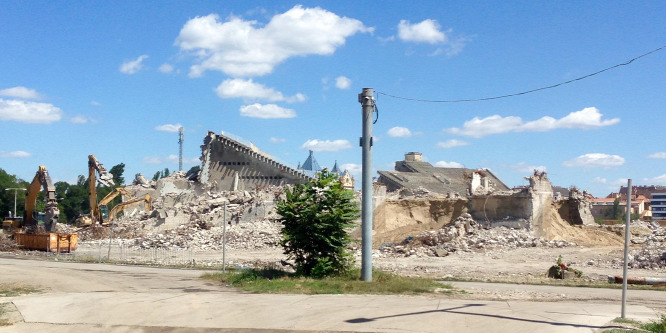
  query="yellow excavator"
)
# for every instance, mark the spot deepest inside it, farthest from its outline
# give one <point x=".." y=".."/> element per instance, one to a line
<point x="105" y="178"/>
<point x="30" y="221"/>
<point x="31" y="217"/>
<point x="105" y="216"/>
<point x="129" y="203"/>
<point x="99" y="212"/>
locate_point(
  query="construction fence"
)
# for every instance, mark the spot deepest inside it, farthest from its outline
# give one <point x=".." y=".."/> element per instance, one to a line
<point x="121" y="253"/>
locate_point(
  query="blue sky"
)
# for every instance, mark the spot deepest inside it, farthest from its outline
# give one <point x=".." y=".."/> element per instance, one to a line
<point x="116" y="79"/>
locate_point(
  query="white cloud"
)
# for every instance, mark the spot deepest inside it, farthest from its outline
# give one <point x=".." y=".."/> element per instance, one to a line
<point x="174" y="128"/>
<point x="277" y="140"/>
<point x="354" y="169"/>
<point x="243" y="48"/>
<point x="659" y="180"/>
<point x="342" y="82"/>
<point x="79" y="119"/>
<point x="658" y="155"/>
<point x="29" y="112"/>
<point x="171" y="159"/>
<point x="328" y="145"/>
<point x="587" y="118"/>
<point x="14" y="154"/>
<point x="399" y="132"/>
<point x="599" y="180"/>
<point x="523" y="167"/>
<point x="266" y="111"/>
<point x="452" y="143"/>
<point x="151" y="160"/>
<point x="247" y="89"/>
<point x="95" y="103"/>
<point x="426" y="31"/>
<point x="133" y="66"/>
<point x="165" y="68"/>
<point x="21" y="92"/>
<point x="445" y="164"/>
<point x="595" y="160"/>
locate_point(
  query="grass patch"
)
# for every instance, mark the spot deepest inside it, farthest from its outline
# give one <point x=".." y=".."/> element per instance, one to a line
<point x="7" y="290"/>
<point x="655" y="326"/>
<point x="3" y="322"/>
<point x="276" y="281"/>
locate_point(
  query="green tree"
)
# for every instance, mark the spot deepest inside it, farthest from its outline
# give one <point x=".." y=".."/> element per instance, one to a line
<point x="8" y="181"/>
<point x="165" y="173"/>
<point x="316" y="217"/>
<point x="117" y="172"/>
<point x="616" y="209"/>
<point x="72" y="199"/>
<point x="157" y="176"/>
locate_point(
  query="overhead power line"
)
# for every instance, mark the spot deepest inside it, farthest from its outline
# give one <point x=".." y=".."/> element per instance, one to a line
<point x="524" y="92"/>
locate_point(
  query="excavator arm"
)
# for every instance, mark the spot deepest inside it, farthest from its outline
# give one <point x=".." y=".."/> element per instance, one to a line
<point x="114" y="194"/>
<point x="129" y="203"/>
<point x="42" y="179"/>
<point x="105" y="178"/>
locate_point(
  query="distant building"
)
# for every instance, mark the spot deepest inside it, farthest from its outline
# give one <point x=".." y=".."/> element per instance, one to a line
<point x="644" y="190"/>
<point x="658" y="204"/>
<point x="311" y="167"/>
<point x="412" y="173"/>
<point x="604" y="207"/>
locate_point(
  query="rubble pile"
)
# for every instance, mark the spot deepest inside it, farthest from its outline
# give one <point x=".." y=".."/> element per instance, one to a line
<point x="653" y="253"/>
<point x="466" y="235"/>
<point x="256" y="235"/>
<point x="418" y="193"/>
<point x="7" y="244"/>
<point x="191" y="216"/>
<point x="207" y="204"/>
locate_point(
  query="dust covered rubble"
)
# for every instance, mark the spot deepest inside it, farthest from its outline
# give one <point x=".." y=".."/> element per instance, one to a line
<point x="192" y="218"/>
<point x="203" y="227"/>
<point x="465" y="235"/>
<point x="652" y="239"/>
<point x="252" y="235"/>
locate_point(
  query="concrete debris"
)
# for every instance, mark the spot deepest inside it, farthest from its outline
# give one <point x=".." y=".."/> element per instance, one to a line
<point x="190" y="215"/>
<point x="466" y="235"/>
<point x="256" y="235"/>
<point x="653" y="253"/>
<point x="417" y="193"/>
<point x="140" y="180"/>
<point x="7" y="244"/>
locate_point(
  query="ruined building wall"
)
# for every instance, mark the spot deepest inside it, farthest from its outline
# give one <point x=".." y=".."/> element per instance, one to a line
<point x="393" y="219"/>
<point x="499" y="207"/>
<point x="519" y="209"/>
<point x="235" y="166"/>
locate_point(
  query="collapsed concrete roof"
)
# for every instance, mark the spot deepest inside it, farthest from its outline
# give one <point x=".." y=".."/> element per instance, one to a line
<point x="413" y="173"/>
<point x="236" y="164"/>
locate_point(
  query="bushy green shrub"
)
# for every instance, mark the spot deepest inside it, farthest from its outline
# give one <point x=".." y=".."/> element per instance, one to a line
<point x="316" y="217"/>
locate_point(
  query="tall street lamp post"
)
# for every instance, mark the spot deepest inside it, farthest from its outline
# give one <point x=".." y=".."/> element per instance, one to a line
<point x="15" y="191"/>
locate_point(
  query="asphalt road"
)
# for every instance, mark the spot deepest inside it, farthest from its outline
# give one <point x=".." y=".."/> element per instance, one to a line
<point x="108" y="298"/>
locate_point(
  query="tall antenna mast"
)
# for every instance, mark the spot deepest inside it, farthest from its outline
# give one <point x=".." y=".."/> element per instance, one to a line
<point x="181" y="138"/>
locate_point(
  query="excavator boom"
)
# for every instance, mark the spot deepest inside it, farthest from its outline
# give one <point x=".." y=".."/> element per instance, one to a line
<point x="105" y="178"/>
<point x="42" y="179"/>
<point x="129" y="203"/>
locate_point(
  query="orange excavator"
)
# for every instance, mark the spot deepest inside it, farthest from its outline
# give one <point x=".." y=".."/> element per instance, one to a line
<point x="30" y="235"/>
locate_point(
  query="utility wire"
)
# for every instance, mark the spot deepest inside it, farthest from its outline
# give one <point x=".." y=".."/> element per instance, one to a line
<point x="524" y="92"/>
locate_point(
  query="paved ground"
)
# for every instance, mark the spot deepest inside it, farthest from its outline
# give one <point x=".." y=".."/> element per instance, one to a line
<point x="107" y="298"/>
